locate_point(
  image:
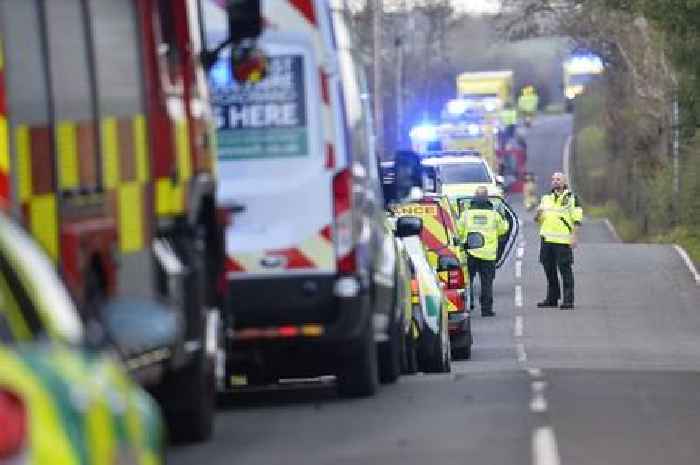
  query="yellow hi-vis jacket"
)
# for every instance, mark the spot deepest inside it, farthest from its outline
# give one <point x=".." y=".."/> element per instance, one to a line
<point x="490" y="224"/>
<point x="559" y="215"/>
<point x="509" y="116"/>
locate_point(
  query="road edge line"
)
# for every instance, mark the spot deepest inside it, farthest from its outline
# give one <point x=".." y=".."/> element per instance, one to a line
<point x="688" y="262"/>
<point x="612" y="230"/>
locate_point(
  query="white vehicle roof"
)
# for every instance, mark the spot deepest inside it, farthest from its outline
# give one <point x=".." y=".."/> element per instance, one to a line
<point x="454" y="159"/>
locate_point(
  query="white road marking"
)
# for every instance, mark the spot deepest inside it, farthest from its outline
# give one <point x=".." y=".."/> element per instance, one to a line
<point x="518" y="268"/>
<point x="518" y="329"/>
<point x="520" y="252"/>
<point x="544" y="447"/>
<point x="688" y="262"/>
<point x="534" y="372"/>
<point x="612" y="230"/>
<point x="518" y="295"/>
<point x="538" y="404"/>
<point x="538" y="387"/>
<point x="565" y="157"/>
<point x="522" y="356"/>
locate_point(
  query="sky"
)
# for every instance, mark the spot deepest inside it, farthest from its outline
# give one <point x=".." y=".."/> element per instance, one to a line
<point x="477" y="6"/>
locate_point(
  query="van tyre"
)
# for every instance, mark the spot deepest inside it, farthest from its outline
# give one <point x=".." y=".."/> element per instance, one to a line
<point x="464" y="352"/>
<point x="359" y="375"/>
<point x="410" y="356"/>
<point x="390" y="355"/>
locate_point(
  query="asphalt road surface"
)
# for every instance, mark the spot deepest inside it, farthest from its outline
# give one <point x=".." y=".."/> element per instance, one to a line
<point x="614" y="382"/>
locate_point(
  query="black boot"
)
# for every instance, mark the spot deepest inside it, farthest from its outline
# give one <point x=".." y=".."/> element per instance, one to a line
<point x="567" y="306"/>
<point x="547" y="304"/>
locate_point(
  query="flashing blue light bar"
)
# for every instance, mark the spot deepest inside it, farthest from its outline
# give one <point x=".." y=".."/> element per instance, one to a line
<point x="424" y="133"/>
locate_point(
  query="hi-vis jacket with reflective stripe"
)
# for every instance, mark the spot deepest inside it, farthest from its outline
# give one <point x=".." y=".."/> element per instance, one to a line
<point x="490" y="224"/>
<point x="559" y="215"/>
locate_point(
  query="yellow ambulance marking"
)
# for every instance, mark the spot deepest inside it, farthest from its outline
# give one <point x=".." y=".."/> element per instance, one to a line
<point x="110" y="151"/>
<point x="130" y="217"/>
<point x="4" y="147"/>
<point x="140" y="148"/>
<point x="416" y="210"/>
<point x="67" y="152"/>
<point x="42" y="218"/>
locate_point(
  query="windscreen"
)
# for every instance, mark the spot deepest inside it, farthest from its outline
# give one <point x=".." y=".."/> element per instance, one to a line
<point x="460" y="173"/>
<point x="580" y="79"/>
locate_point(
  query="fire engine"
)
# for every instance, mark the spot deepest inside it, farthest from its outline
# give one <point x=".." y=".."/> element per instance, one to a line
<point x="106" y="159"/>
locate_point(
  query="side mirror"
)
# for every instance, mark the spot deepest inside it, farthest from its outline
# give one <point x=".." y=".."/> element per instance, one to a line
<point x="448" y="263"/>
<point x="456" y="242"/>
<point x="138" y="325"/>
<point x="244" y="19"/>
<point x="408" y="226"/>
<point x="475" y="240"/>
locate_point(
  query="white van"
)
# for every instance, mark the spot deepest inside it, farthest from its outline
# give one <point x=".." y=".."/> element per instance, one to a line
<point x="310" y="265"/>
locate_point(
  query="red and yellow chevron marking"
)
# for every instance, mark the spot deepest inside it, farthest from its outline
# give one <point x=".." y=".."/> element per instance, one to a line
<point x="4" y="140"/>
<point x="315" y="253"/>
<point x="455" y="300"/>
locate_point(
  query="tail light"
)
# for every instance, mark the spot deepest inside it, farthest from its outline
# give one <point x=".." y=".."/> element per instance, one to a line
<point x="342" y="202"/>
<point x="415" y="296"/>
<point x="13" y="424"/>
<point x="455" y="279"/>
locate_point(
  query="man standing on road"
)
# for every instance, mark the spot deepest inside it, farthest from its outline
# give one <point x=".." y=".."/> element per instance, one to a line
<point x="481" y="217"/>
<point x="559" y="215"/>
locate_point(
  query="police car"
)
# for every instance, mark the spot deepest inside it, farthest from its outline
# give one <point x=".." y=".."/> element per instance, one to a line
<point x="65" y="398"/>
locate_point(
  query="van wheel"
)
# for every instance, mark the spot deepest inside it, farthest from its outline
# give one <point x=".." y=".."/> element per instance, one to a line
<point x="359" y="375"/>
<point x="190" y="403"/>
<point x="410" y="355"/>
<point x="390" y="355"/>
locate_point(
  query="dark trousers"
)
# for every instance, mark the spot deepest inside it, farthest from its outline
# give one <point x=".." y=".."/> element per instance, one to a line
<point x="487" y="273"/>
<point x="561" y="257"/>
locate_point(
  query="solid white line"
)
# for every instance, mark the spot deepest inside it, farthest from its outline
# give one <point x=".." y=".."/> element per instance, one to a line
<point x="534" y="372"/>
<point x="518" y="268"/>
<point x="612" y="230"/>
<point x="520" y="252"/>
<point x="538" y="404"/>
<point x="522" y="356"/>
<point x="518" y="329"/>
<point x="565" y="157"/>
<point x="544" y="447"/>
<point x="688" y="262"/>
<point x="518" y="295"/>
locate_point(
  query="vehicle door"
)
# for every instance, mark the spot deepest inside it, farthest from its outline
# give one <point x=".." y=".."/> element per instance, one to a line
<point x="506" y="242"/>
<point x="276" y="149"/>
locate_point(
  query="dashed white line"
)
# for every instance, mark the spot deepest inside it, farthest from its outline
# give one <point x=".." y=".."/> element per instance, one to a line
<point x="522" y="356"/>
<point x="538" y="387"/>
<point x="518" y="295"/>
<point x="518" y="268"/>
<point x="544" y="447"/>
<point x="538" y="404"/>
<point x="520" y="252"/>
<point x="535" y="372"/>
<point x="518" y="329"/>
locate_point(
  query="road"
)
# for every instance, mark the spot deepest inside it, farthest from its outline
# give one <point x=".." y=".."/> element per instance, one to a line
<point x="614" y="382"/>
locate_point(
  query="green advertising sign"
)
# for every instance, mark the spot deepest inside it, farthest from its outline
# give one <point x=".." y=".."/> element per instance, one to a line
<point x="264" y="120"/>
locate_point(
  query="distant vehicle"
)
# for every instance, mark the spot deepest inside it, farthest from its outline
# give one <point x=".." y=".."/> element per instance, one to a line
<point x="62" y="398"/>
<point x="460" y="175"/>
<point x="311" y="267"/>
<point x="578" y="71"/>
<point x="490" y="89"/>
